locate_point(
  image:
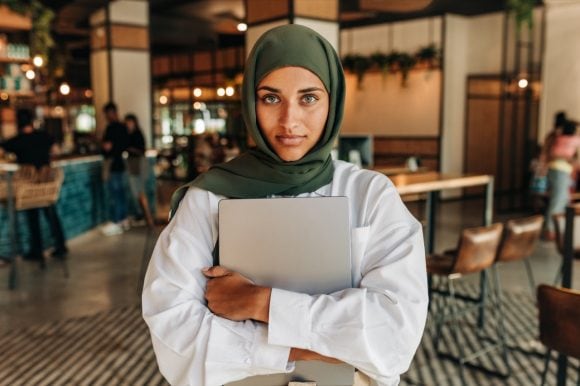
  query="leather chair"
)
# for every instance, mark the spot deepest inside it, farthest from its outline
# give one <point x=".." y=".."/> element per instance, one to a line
<point x="476" y="252"/>
<point x="518" y="242"/>
<point x="559" y="323"/>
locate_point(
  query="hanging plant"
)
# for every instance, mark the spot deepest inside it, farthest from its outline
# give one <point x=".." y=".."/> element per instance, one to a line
<point x="382" y="62"/>
<point x="428" y="54"/>
<point x="406" y="63"/>
<point x="357" y="64"/>
<point x="41" y="36"/>
<point x="523" y="11"/>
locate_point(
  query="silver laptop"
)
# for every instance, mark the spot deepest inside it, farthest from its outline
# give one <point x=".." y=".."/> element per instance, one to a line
<point x="297" y="244"/>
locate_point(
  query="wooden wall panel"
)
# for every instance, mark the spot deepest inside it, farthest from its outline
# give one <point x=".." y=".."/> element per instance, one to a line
<point x="13" y="20"/>
<point x="161" y="65"/>
<point x="482" y="136"/>
<point x="261" y="10"/>
<point x="318" y="9"/>
<point x="202" y="61"/>
<point x="131" y="37"/>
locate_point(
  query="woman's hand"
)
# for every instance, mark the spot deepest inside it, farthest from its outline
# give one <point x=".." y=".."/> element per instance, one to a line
<point x="298" y="354"/>
<point x="232" y="296"/>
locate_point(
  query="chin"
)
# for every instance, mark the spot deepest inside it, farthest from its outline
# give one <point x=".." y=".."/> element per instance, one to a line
<point x="290" y="157"/>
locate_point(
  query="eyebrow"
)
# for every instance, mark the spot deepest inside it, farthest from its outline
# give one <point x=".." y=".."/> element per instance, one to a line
<point x="305" y="90"/>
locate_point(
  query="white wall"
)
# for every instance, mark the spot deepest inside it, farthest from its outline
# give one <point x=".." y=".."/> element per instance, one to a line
<point x="384" y="107"/>
<point x="131" y="86"/>
<point x="407" y="36"/>
<point x="485" y="44"/>
<point x="561" y="66"/>
<point x="455" y="67"/>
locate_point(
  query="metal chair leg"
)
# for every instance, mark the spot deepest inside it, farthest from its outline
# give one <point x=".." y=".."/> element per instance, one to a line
<point x="530" y="277"/>
<point x="558" y="278"/>
<point x="546" y="365"/>
<point x="500" y="319"/>
<point x="455" y="330"/>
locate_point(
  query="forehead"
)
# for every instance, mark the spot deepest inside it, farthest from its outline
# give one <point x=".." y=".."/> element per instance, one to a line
<point x="290" y="77"/>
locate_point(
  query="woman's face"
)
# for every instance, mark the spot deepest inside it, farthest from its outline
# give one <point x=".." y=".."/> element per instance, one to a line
<point x="130" y="125"/>
<point x="291" y="108"/>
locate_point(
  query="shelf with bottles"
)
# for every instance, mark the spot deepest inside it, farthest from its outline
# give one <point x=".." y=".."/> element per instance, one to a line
<point x="13" y="49"/>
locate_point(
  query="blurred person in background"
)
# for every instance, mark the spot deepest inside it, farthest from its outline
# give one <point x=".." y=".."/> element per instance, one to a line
<point x="136" y="162"/>
<point x="34" y="148"/>
<point x="114" y="144"/>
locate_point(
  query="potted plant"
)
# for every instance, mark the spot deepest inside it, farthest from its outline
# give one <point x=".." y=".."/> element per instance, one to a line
<point x="428" y="55"/>
<point x="383" y="62"/>
<point x="358" y="65"/>
<point x="406" y="62"/>
<point x="523" y="11"/>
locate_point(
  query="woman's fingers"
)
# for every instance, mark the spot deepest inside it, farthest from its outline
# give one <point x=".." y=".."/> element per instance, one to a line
<point x="216" y="271"/>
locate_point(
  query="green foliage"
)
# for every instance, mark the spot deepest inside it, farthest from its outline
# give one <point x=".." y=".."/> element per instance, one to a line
<point x="41" y="37"/>
<point x="523" y="11"/>
<point x="359" y="65"/>
<point x="392" y="61"/>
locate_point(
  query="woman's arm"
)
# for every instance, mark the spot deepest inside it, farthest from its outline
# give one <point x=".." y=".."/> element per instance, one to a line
<point x="378" y="326"/>
<point x="194" y="346"/>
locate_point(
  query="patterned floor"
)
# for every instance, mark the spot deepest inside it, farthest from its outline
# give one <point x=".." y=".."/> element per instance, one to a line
<point x="113" y="348"/>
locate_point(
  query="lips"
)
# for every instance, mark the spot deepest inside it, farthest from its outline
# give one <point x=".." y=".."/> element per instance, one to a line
<point x="290" y="140"/>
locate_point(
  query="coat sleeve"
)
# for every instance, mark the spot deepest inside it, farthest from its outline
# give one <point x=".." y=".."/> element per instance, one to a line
<point x="192" y="345"/>
<point x="376" y="327"/>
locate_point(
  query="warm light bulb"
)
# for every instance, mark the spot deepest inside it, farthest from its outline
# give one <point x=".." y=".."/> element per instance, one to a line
<point x="523" y="83"/>
<point x="30" y="74"/>
<point x="221" y="91"/>
<point x="197" y="92"/>
<point x="197" y="105"/>
<point x="64" y="89"/>
<point x="163" y="99"/>
<point x="242" y="27"/>
<point x="38" y="61"/>
<point x="88" y="93"/>
<point x="4" y="96"/>
<point x="229" y="91"/>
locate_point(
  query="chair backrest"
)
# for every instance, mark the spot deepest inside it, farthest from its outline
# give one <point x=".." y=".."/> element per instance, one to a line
<point x="519" y="238"/>
<point x="477" y="248"/>
<point x="144" y="204"/>
<point x="559" y="319"/>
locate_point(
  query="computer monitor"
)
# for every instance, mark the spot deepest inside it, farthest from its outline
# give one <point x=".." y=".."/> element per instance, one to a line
<point x="356" y="148"/>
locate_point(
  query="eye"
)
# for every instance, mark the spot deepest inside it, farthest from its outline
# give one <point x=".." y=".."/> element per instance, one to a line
<point x="269" y="99"/>
<point x="309" y="99"/>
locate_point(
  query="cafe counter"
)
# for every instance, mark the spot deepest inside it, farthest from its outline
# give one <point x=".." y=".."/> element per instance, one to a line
<point x="82" y="203"/>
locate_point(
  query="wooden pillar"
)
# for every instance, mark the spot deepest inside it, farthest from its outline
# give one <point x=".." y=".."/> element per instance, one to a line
<point x="320" y="15"/>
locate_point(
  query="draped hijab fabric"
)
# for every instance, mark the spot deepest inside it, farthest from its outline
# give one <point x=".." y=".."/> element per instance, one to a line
<point x="260" y="172"/>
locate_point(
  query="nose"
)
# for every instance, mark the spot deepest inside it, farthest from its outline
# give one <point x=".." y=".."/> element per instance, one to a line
<point x="289" y="116"/>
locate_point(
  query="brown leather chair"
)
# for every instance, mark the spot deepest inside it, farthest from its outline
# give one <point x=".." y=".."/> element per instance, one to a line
<point x="518" y="242"/>
<point x="559" y="323"/>
<point x="150" y="237"/>
<point x="475" y="253"/>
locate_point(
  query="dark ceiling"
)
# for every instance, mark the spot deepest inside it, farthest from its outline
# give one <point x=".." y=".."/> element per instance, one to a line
<point x="186" y="25"/>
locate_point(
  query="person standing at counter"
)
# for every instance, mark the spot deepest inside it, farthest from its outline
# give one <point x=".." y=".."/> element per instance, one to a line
<point x="114" y="144"/>
<point x="136" y="161"/>
<point x="211" y="326"/>
<point x="34" y="148"/>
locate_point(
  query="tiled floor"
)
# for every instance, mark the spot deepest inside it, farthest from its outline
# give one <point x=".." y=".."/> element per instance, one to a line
<point x="104" y="272"/>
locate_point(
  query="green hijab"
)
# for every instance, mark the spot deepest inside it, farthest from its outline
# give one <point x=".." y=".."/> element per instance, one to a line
<point x="260" y="172"/>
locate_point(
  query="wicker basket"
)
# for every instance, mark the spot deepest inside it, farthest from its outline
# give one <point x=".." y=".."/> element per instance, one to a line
<point x="34" y="188"/>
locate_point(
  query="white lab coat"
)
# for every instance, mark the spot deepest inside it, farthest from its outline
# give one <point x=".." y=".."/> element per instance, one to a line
<point x="376" y="327"/>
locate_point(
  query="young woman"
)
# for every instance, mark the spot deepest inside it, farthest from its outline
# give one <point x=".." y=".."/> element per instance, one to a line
<point x="136" y="161"/>
<point x="210" y="326"/>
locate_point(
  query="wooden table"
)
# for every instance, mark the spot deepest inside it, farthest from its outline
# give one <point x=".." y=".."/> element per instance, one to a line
<point x="432" y="183"/>
<point x="8" y="170"/>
